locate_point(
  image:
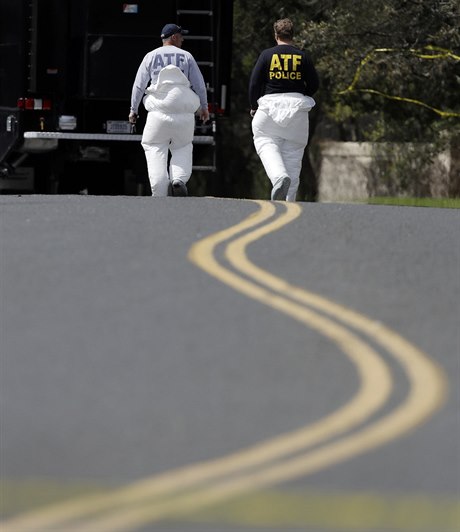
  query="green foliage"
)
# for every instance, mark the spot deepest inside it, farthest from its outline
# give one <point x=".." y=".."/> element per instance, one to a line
<point x="397" y="50"/>
<point x="391" y="95"/>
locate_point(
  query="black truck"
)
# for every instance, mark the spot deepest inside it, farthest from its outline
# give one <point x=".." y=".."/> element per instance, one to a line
<point x="66" y="73"/>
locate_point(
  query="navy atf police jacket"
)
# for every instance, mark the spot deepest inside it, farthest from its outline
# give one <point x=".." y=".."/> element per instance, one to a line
<point x="283" y="68"/>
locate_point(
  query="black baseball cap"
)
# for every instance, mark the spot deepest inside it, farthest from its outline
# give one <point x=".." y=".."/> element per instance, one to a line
<point x="171" y="29"/>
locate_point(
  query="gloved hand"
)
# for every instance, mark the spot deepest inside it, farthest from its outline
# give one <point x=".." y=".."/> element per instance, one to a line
<point x="132" y="117"/>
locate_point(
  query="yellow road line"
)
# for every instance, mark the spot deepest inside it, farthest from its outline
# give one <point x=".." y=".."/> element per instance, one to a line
<point x="376" y="385"/>
<point x="426" y="394"/>
<point x="149" y="487"/>
<point x="428" y="383"/>
<point x="374" y="391"/>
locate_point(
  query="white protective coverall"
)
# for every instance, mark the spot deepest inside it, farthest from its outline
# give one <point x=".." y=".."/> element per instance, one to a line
<point x="170" y="125"/>
<point x="280" y="128"/>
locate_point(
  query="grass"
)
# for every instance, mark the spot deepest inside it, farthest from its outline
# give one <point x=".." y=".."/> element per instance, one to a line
<point x="445" y="203"/>
<point x="332" y="511"/>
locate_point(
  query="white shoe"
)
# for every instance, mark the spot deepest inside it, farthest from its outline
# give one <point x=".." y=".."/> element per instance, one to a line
<point x="281" y="188"/>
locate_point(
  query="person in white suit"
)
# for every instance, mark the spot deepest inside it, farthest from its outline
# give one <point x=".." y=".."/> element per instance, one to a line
<point x="280" y="89"/>
<point x="172" y="88"/>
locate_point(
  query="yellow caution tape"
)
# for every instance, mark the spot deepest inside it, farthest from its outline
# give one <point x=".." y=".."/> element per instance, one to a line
<point x="440" y="53"/>
<point x="444" y="114"/>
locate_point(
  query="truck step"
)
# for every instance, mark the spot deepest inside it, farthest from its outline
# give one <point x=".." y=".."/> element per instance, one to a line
<point x="199" y="168"/>
<point x="194" y="12"/>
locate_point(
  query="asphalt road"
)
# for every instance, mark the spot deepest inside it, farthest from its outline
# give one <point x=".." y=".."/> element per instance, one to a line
<point x="144" y="371"/>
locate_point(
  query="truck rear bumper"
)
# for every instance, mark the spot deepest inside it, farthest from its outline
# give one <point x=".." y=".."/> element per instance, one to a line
<point x="61" y="135"/>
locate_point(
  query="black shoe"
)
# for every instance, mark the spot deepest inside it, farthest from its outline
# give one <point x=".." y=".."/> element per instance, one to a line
<point x="179" y="188"/>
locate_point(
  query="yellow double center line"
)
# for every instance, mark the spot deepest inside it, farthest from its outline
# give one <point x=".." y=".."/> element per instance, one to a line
<point x="287" y="456"/>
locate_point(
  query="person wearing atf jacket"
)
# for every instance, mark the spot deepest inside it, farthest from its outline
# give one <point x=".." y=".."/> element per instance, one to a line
<point x="280" y="89"/>
<point x="172" y="88"/>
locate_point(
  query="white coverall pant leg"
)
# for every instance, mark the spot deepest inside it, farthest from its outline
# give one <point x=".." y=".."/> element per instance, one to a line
<point x="281" y="148"/>
<point x="163" y="133"/>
